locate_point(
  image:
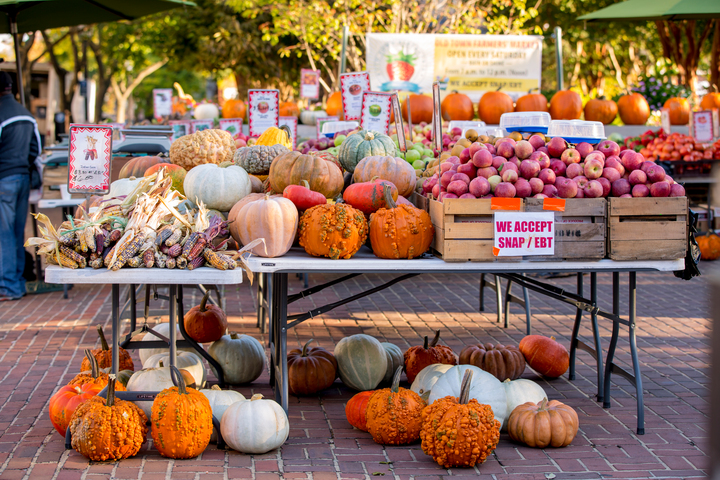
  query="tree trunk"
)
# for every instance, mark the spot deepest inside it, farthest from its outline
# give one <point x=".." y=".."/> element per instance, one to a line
<point x="715" y="58"/>
<point x="122" y="94"/>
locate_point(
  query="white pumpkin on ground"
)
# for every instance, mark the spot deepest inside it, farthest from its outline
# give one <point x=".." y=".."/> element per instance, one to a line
<point x="186" y="360"/>
<point x="394" y="358"/>
<point x="241" y="357"/>
<point x="255" y="426"/>
<point x="220" y="400"/>
<point x="274" y="219"/>
<point x="427" y="377"/>
<point x="149" y="380"/>
<point x="219" y="187"/>
<point x="521" y="391"/>
<point x="484" y="388"/>
<point x="362" y="361"/>
<point x="164" y="330"/>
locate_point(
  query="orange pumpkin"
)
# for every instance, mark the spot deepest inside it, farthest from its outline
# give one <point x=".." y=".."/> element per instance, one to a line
<point x="545" y="355"/>
<point x="66" y="400"/>
<point x="420" y="356"/>
<point x="633" y="109"/>
<point x="456" y="106"/>
<point x="394" y="415"/>
<point x="601" y="110"/>
<point x="492" y="105"/>
<point x="710" y="100"/>
<point x="679" y="110"/>
<point x="336" y="231"/>
<point x="543" y="424"/>
<point x="293" y="167"/>
<point x="532" y="102"/>
<point x="205" y="323"/>
<point x="392" y="169"/>
<point x="94" y="376"/>
<point x="709" y="246"/>
<point x="176" y="172"/>
<point x="421" y="108"/>
<point x="103" y="356"/>
<point x="289" y="109"/>
<point x="233" y="108"/>
<point x="334" y="105"/>
<point x="356" y="410"/>
<point x="138" y="165"/>
<point x="566" y="105"/>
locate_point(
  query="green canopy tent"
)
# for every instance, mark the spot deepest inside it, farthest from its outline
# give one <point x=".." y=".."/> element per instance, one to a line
<point x="656" y="10"/>
<point x="23" y="16"/>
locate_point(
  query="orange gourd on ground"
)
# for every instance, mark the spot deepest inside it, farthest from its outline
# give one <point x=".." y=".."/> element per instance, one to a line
<point x="679" y="110"/>
<point x="394" y="415"/>
<point x="633" y="109"/>
<point x="421" y="108"/>
<point x="456" y="106"/>
<point x="543" y="424"/>
<point x="205" y="322"/>
<point x="310" y="370"/>
<point x="233" y="108"/>
<point x="356" y="410"/>
<point x="94" y="376"/>
<point x="709" y="246"/>
<point x="420" y="356"/>
<point x="601" y="110"/>
<point x="532" y="102"/>
<point x="492" y="105"/>
<point x="103" y="356"/>
<point x="566" y="105"/>
<point x="63" y="404"/>
<point x="335" y="231"/>
<point x="545" y="355"/>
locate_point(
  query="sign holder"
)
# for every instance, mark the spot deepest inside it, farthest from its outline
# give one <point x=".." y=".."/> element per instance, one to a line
<point x="410" y="124"/>
<point x="180" y="128"/>
<point x="89" y="159"/>
<point x="399" y="127"/>
<point x="437" y="122"/>
<point x="320" y="121"/>
<point x="263" y="110"/>
<point x="351" y="87"/>
<point x="309" y="84"/>
<point x="702" y="126"/>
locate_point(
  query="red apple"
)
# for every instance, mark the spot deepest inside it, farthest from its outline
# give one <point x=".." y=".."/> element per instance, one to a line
<point x="529" y="169"/>
<point x="436" y="191"/>
<point x="640" y="190"/>
<point x="468" y="169"/>
<point x="486" y="172"/>
<point x="522" y="188"/>
<point x="479" y="186"/>
<point x="509" y="175"/>
<point x="593" y="168"/>
<point x="655" y="173"/>
<point x="446" y="178"/>
<point x="614" y="163"/>
<point x="557" y="166"/>
<point x="606" y="184"/>
<point x="505" y="149"/>
<point x="536" y="185"/>
<point x="458" y="187"/>
<point x="491" y="148"/>
<point x="482" y="158"/>
<point x="637" y="176"/>
<point x="593" y="189"/>
<point x="580" y="193"/>
<point x="570" y="156"/>
<point x="632" y="161"/>
<point x="621" y="187"/>
<point x="541" y="158"/>
<point x="547" y="176"/>
<point x="677" y="190"/>
<point x="465" y="156"/>
<point x="476" y="147"/>
<point x="660" y="189"/>
<point x="596" y="156"/>
<point x="505" y="190"/>
<point x="584" y="149"/>
<point x="626" y="195"/>
<point x="536" y="141"/>
<point x="573" y="170"/>
<point x="608" y="147"/>
<point x="468" y="195"/>
<point x="524" y="149"/>
<point x="498" y="160"/>
<point x="556" y="146"/>
<point x="550" y="191"/>
<point x="566" y="188"/>
<point x="581" y="181"/>
<point x="611" y="174"/>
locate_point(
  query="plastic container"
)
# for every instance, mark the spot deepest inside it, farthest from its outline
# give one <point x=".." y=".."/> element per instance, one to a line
<point x="576" y="131"/>
<point x="525" y="122"/>
<point x="329" y="129"/>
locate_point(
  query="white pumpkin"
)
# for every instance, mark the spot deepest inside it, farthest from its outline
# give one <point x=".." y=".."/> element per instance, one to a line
<point x="394" y="360"/>
<point x="521" y="391"/>
<point x="220" y="400"/>
<point x="241" y="357"/>
<point x="186" y="360"/>
<point x="218" y="187"/>
<point x="427" y="377"/>
<point x="255" y="425"/>
<point x="484" y="388"/>
<point x="149" y="380"/>
<point x="206" y="111"/>
<point x="309" y="117"/>
<point x="164" y="330"/>
<point x="274" y="219"/>
<point x="122" y="187"/>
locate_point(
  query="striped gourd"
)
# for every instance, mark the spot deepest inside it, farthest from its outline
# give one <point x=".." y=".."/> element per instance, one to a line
<point x="362" y="361"/>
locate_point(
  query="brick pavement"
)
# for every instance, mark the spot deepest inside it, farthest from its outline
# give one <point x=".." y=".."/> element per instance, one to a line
<point x="43" y="337"/>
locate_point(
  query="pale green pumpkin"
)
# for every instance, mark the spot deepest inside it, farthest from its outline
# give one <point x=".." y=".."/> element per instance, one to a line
<point x="364" y="143"/>
<point x="394" y="360"/>
<point x="218" y="187"/>
<point x="521" y="391"/>
<point x="362" y="361"/>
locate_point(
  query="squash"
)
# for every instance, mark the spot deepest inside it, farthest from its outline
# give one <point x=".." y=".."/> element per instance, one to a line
<point x="543" y="424"/>
<point x="289" y="109"/>
<point x="394" y="415"/>
<point x="485" y="388"/>
<point x="492" y="105"/>
<point x="545" y="355"/>
<point x="65" y="402"/>
<point x="601" y="110"/>
<point x="233" y="108"/>
<point x="499" y="360"/>
<point x="181" y="420"/>
<point x="241" y="356"/>
<point x="369" y="197"/>
<point x="333" y="106"/>
<point x="234" y="225"/>
<point x="94" y="377"/>
<point x="257" y="159"/>
<point x="205" y="323"/>
<point x="273" y="219"/>
<point x="122" y="187"/>
<point x="633" y="109"/>
<point x="709" y="246"/>
<point x="356" y="410"/>
<point x="309" y="117"/>
<point x="206" y="146"/>
<point x="475" y="431"/>
<point x="176" y="172"/>
<point x="220" y="400"/>
<point x="421" y="108"/>
<point x="164" y="330"/>
<point x="103" y="355"/>
<point x="149" y="380"/>
<point x="336" y="231"/>
<point x="138" y="166"/>
<point x="394" y="358"/>
<point x="521" y="391"/>
<point x="310" y="370"/>
<point x="364" y="143"/>
<point x="565" y="105"/>
<point x="255" y="426"/>
<point x="427" y="377"/>
<point x="532" y="102"/>
<point x="710" y="100"/>
<point x="456" y="106"/>
<point x="218" y="187"/>
<point x="326" y="155"/>
<point x="362" y="361"/>
<point x="392" y="169"/>
<point x="293" y="167"/>
<point x="206" y="111"/>
<point x="400" y="231"/>
<point x="679" y="110"/>
<point x="184" y="360"/>
<point x="419" y="357"/>
<point x="302" y="197"/>
<point x="275" y="136"/>
<point x="256" y="185"/>
<point x="108" y="428"/>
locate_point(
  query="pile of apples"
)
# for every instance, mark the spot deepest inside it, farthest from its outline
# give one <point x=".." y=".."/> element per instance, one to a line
<point x="540" y="169"/>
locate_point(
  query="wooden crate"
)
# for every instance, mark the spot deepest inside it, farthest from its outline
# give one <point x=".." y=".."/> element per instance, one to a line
<point x="464" y="230"/>
<point x="647" y="228"/>
<point x="421" y="202"/>
<point x="580" y="230"/>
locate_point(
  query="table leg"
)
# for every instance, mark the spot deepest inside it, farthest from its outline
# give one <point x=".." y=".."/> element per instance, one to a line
<point x="279" y="321"/>
<point x="526" y="298"/>
<point x="633" y="353"/>
<point x="596" y="336"/>
<point x="115" y="301"/>
<point x="133" y="308"/>
<point x="575" y="330"/>
<point x="613" y="340"/>
<point x="267" y="296"/>
<point x="482" y="294"/>
<point x="260" y="307"/>
<point x="173" y="323"/>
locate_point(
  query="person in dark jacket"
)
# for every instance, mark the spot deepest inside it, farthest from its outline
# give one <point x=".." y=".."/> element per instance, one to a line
<point x="19" y="147"/>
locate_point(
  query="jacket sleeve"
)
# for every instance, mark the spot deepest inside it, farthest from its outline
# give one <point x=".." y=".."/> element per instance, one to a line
<point x="35" y="145"/>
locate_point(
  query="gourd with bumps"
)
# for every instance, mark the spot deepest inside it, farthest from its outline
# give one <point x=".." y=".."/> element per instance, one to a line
<point x="394" y="415"/>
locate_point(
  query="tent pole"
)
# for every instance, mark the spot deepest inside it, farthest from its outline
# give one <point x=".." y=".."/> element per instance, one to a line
<point x="18" y="64"/>
<point x="559" y="57"/>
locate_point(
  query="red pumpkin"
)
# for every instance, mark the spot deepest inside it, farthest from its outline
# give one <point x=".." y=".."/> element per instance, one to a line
<point x="545" y="355"/>
<point x="421" y="108"/>
<point x="356" y="410"/>
<point x="66" y="400"/>
<point x="138" y="165"/>
<point x="205" y="323"/>
<point x="429" y="353"/>
<point x="457" y="106"/>
<point x="303" y="197"/>
<point x="310" y="370"/>
<point x="368" y="197"/>
<point x="176" y="172"/>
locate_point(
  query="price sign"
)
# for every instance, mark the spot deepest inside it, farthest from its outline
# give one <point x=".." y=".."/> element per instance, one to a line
<point x="291" y="123"/>
<point x="352" y="85"/>
<point x="399" y="127"/>
<point x="231" y="125"/>
<point x="702" y="126"/>
<point x="263" y="110"/>
<point x="523" y="233"/>
<point x="180" y="128"/>
<point x="162" y="102"/>
<point x="376" y="109"/>
<point x="89" y="157"/>
<point x="665" y="120"/>
<point x="309" y="83"/>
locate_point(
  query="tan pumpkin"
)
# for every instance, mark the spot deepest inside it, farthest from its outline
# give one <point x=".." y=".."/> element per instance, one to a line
<point x="566" y="105"/>
<point x="392" y="169"/>
<point x="543" y="424"/>
<point x="233" y="224"/>
<point x="206" y="146"/>
<point x="274" y="219"/>
<point x="293" y="167"/>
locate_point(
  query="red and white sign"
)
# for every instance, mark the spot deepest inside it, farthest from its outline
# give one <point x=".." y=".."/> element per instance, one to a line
<point x="162" y="102"/>
<point x="200" y="125"/>
<point x="702" y="126"/>
<point x="232" y="125"/>
<point x="89" y="157"/>
<point x="376" y="110"/>
<point x="309" y="83"/>
<point x="665" y="120"/>
<point x="263" y="110"/>
<point x="352" y="85"/>
<point x="180" y="128"/>
<point x="322" y="121"/>
<point x="291" y="123"/>
<point x="523" y="233"/>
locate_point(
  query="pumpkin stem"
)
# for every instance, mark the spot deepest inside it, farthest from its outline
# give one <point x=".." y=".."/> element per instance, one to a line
<point x="498" y="89"/>
<point x="178" y="380"/>
<point x="94" y="367"/>
<point x="110" y="399"/>
<point x="234" y="335"/>
<point x="257" y="396"/>
<point x="103" y="341"/>
<point x="396" y="380"/>
<point x="436" y="339"/>
<point x="203" y="302"/>
<point x="304" y="183"/>
<point x="543" y="405"/>
<point x="215" y="387"/>
<point x="388" y="197"/>
<point x="369" y="135"/>
<point x="305" y="347"/>
<point x="425" y="343"/>
<point x="465" y="387"/>
<point x="287" y="131"/>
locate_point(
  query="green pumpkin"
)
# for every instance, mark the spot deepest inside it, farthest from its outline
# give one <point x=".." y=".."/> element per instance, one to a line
<point x="364" y="143"/>
<point x="362" y="361"/>
<point x="394" y="360"/>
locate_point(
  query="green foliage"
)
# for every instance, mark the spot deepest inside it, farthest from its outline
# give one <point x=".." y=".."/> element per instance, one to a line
<point x="657" y="91"/>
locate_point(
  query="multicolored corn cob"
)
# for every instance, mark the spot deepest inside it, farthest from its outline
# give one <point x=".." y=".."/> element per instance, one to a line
<point x="218" y="260"/>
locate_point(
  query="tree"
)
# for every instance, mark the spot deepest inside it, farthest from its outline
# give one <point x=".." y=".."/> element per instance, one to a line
<point x="63" y="48"/>
<point x="682" y="42"/>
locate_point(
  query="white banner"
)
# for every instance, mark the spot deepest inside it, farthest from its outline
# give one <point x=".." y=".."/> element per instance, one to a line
<point x="470" y="64"/>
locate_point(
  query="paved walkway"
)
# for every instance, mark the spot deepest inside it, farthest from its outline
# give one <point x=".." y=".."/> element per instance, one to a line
<point x="43" y="337"/>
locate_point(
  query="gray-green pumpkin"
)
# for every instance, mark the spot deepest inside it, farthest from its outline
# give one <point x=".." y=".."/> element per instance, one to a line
<point x="364" y="143"/>
<point x="394" y="358"/>
<point x="362" y="361"/>
<point x="256" y="159"/>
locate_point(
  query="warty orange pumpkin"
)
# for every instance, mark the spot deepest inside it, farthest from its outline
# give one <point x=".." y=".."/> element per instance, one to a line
<point x="103" y="356"/>
<point x="420" y="356"/>
<point x="394" y="415"/>
<point x="334" y="231"/>
<point x="709" y="246"/>
<point x="94" y="375"/>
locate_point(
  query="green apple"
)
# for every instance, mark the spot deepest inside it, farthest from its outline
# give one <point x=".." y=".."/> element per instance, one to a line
<point x="428" y="152"/>
<point x="394" y="137"/>
<point x="418" y="172"/>
<point x="339" y="140"/>
<point x="418" y="164"/>
<point x="412" y="155"/>
<point x="419" y="147"/>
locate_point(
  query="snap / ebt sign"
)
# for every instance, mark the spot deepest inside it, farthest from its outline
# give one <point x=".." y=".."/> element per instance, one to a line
<point x="524" y="233"/>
